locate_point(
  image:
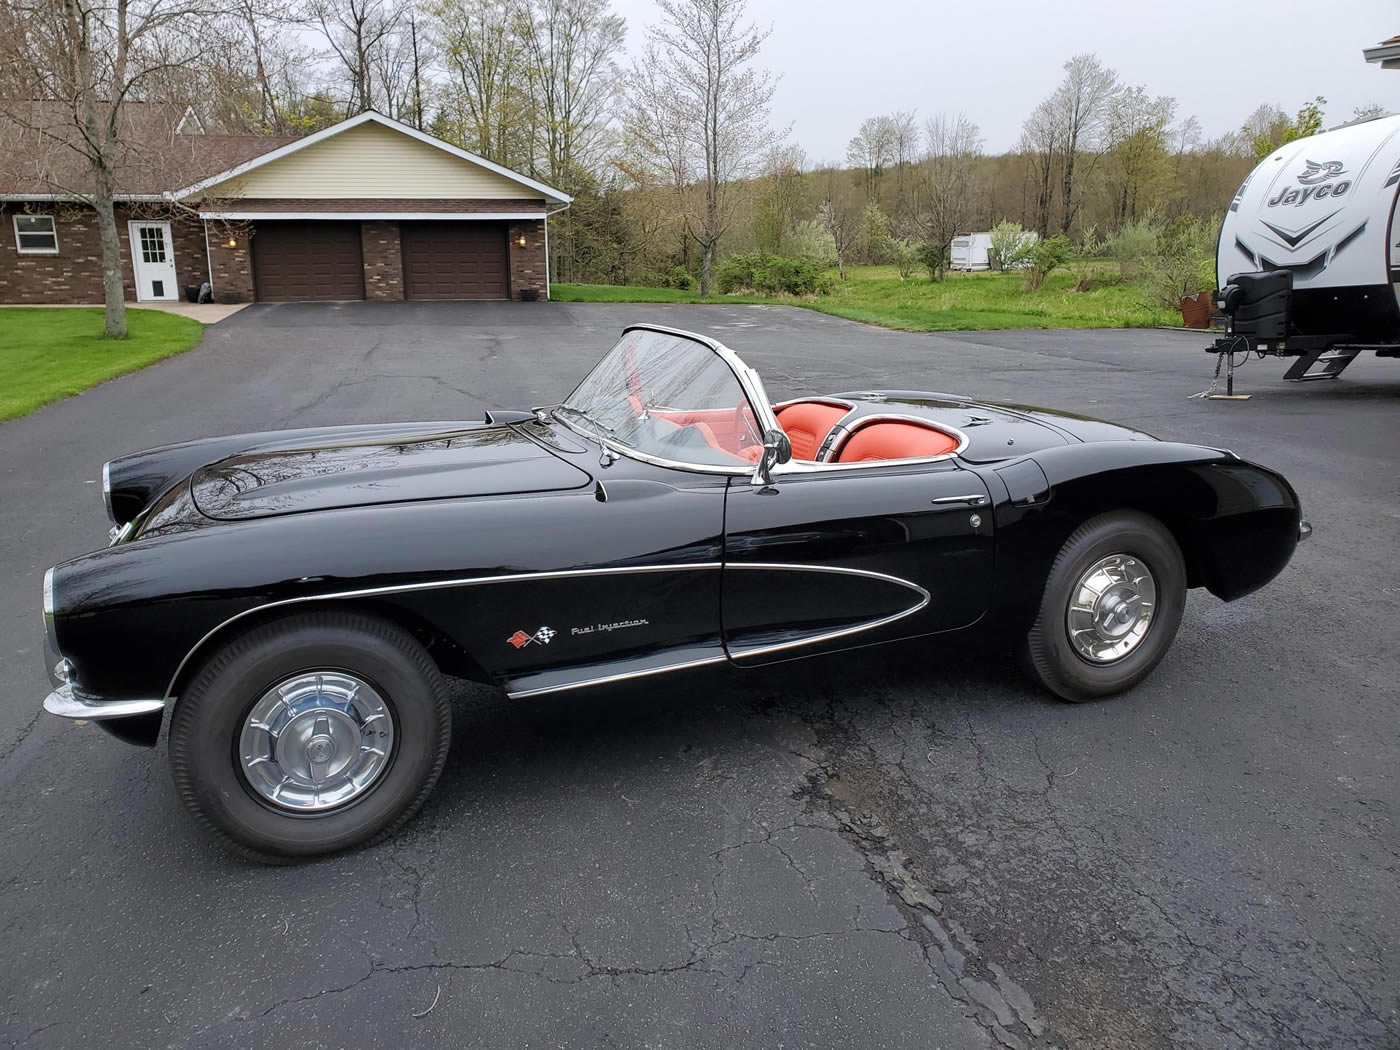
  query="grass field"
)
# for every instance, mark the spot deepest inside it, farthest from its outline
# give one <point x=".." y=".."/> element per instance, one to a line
<point x="964" y="302"/>
<point x="48" y="354"/>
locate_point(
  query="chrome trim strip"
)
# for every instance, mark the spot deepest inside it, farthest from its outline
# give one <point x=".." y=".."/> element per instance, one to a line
<point x="402" y="588"/>
<point x="48" y="597"/>
<point x="841" y="632"/>
<point x="607" y="679"/>
<point x="63" y="703"/>
<point x="107" y="491"/>
<point x="834" y="401"/>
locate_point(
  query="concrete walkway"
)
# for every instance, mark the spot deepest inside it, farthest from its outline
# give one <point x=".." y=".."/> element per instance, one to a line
<point x="205" y="313"/>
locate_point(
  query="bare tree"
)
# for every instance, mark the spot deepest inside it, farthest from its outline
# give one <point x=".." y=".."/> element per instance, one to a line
<point x="1040" y="143"/>
<point x="904" y="152"/>
<point x="482" y="56"/>
<point x="840" y="215"/>
<point x="1079" y="108"/>
<point x="872" y="150"/>
<point x="697" y="77"/>
<point x="361" y="35"/>
<point x="86" y="60"/>
<point x="570" y="49"/>
<point x="944" y="201"/>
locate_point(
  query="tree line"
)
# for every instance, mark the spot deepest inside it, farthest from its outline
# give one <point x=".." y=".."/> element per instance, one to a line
<point x="672" y="156"/>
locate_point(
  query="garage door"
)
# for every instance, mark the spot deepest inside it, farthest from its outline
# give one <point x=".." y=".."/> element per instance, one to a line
<point x="455" y="260"/>
<point x="297" y="261"/>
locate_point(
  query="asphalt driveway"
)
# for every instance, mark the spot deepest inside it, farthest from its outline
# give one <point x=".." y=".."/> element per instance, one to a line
<point x="906" y="848"/>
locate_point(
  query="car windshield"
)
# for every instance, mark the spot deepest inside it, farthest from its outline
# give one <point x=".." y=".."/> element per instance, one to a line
<point x="668" y="396"/>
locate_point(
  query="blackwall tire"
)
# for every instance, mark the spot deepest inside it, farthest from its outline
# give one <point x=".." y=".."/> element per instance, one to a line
<point x="1086" y="647"/>
<point x="350" y="685"/>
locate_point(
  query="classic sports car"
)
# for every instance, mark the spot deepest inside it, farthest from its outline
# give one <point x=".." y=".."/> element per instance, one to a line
<point x="297" y="596"/>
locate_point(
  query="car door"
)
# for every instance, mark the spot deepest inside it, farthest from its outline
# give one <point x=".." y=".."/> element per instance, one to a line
<point x="834" y="558"/>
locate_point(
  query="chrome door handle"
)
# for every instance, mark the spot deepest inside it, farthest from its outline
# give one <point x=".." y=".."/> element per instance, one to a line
<point x="973" y="500"/>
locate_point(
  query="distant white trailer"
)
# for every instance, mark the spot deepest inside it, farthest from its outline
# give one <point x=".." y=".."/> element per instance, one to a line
<point x="971" y="252"/>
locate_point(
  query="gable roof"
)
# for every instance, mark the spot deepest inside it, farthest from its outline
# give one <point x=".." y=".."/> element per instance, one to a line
<point x="550" y="194"/>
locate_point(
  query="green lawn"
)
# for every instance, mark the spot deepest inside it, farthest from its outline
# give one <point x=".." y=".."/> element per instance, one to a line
<point x="47" y="354"/>
<point x="964" y="302"/>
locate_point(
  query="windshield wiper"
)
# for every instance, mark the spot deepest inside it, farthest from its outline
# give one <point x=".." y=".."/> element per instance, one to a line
<point x="588" y="417"/>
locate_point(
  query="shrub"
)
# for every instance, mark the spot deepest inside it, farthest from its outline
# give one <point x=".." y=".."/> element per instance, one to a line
<point x="1047" y="255"/>
<point x="771" y="275"/>
<point x="934" y="257"/>
<point x="1184" y="261"/>
<point x="875" y="233"/>
<point x="905" y="254"/>
<point x="1133" y="247"/>
<point x="1011" y="246"/>
<point x="1091" y="246"/>
<point x="678" y="277"/>
<point x="812" y="241"/>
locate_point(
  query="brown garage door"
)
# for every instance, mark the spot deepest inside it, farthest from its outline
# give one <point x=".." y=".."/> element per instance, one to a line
<point x="455" y="260"/>
<point x="297" y="261"/>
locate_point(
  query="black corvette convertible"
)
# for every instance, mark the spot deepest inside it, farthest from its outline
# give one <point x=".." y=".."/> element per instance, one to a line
<point x="296" y="597"/>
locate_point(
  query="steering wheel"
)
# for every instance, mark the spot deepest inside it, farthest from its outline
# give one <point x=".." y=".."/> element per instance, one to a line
<point x="745" y="427"/>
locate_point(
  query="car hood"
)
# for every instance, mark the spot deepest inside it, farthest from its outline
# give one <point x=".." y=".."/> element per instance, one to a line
<point x="995" y="430"/>
<point x="483" y="461"/>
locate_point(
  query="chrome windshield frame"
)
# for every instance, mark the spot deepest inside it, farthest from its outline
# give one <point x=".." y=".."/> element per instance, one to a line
<point x="749" y="382"/>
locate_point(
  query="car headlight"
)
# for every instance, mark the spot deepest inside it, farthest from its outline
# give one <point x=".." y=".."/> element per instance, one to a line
<point x="107" y="490"/>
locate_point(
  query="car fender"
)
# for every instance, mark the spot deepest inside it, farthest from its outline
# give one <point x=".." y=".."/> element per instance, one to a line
<point x="1236" y="522"/>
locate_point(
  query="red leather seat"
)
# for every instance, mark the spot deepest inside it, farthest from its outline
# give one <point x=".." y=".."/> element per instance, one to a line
<point x="806" y="424"/>
<point x="895" y="440"/>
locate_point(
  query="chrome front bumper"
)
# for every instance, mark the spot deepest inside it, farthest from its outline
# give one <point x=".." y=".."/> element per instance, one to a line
<point x="1304" y="530"/>
<point x="63" y="703"/>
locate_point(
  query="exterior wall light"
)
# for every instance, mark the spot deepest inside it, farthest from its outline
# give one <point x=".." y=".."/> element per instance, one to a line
<point x="521" y="240"/>
<point x="233" y="242"/>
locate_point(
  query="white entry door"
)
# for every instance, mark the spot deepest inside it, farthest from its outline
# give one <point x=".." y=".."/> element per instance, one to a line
<point x="153" y="258"/>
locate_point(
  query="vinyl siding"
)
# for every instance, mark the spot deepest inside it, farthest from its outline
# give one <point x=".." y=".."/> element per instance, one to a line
<point x="375" y="162"/>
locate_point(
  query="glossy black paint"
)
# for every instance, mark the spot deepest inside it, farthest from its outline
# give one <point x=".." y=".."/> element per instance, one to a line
<point x="521" y="553"/>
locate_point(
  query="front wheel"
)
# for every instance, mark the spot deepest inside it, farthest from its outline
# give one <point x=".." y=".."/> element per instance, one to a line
<point x="310" y="735"/>
<point x="1111" y="608"/>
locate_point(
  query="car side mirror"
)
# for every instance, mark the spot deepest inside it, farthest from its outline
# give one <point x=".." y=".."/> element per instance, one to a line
<point x="777" y="448"/>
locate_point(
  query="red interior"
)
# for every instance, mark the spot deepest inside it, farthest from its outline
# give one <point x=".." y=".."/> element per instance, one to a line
<point x="729" y="430"/>
<point x="806" y="424"/>
<point x="891" y="439"/>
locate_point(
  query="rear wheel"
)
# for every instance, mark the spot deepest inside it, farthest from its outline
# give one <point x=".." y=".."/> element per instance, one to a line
<point x="1111" y="608"/>
<point x="310" y="735"/>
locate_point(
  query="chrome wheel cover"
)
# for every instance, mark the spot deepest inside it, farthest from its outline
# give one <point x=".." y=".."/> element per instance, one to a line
<point x="1111" y="608"/>
<point x="316" y="740"/>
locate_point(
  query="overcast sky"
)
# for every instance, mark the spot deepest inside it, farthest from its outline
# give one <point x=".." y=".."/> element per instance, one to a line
<point x="844" y="60"/>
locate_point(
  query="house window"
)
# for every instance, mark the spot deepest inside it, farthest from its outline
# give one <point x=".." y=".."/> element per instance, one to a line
<point x="36" y="235"/>
<point x="152" y="244"/>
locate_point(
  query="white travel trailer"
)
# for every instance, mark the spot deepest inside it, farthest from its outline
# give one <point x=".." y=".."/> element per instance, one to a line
<point x="1310" y="236"/>
<point x="971" y="252"/>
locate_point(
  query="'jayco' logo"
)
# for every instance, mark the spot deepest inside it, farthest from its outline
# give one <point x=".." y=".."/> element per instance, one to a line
<point x="1314" y="184"/>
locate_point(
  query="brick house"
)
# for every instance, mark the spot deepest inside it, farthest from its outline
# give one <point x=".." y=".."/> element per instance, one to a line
<point x="366" y="209"/>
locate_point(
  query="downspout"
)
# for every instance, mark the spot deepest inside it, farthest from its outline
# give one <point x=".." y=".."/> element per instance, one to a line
<point x="208" y="258"/>
<point x="547" y="214"/>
